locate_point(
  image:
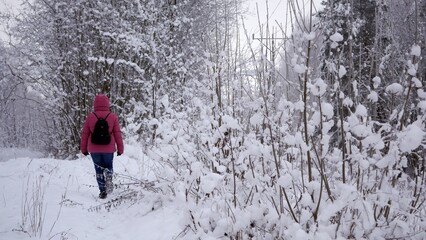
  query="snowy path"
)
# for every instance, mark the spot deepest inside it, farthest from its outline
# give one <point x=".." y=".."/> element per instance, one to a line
<point x="69" y="196"/>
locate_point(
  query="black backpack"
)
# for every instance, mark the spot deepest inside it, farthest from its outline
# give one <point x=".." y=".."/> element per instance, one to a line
<point x="101" y="134"/>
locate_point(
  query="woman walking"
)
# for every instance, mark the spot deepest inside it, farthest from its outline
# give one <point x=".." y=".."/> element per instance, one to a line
<point x="101" y="137"/>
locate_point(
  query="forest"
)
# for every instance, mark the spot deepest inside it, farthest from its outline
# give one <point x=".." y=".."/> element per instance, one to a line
<point x="314" y="127"/>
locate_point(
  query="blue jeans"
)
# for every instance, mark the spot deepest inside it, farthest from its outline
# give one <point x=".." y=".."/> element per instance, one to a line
<point x="103" y="167"/>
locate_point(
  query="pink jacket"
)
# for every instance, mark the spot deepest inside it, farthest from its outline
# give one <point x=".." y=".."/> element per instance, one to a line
<point x="101" y="107"/>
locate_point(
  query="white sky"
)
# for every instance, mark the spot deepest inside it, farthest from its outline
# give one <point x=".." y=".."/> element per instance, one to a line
<point x="278" y="13"/>
<point x="6" y="6"/>
<point x="8" y="2"/>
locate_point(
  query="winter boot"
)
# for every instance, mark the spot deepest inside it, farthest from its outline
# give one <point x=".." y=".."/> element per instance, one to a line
<point x="102" y="195"/>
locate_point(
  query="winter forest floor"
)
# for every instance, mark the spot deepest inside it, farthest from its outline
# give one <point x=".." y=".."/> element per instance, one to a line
<point x="57" y="199"/>
<point x="46" y="198"/>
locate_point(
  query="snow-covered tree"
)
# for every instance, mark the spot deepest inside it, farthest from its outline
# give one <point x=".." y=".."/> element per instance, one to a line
<point x="138" y="52"/>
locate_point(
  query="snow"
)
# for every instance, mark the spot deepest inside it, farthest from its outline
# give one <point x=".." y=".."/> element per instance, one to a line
<point x="373" y="96"/>
<point x="285" y="180"/>
<point x="412" y="71"/>
<point x="327" y="110"/>
<point x="411" y="138"/>
<point x="421" y="93"/>
<point x="70" y="207"/>
<point x="336" y="37"/>
<point x="422" y="105"/>
<point x="342" y="71"/>
<point x="356" y="127"/>
<point x="361" y="131"/>
<point x="310" y="36"/>
<point x="416" y="50"/>
<point x="386" y="161"/>
<point x="361" y="111"/>
<point x="348" y="102"/>
<point x="299" y="105"/>
<point x="203" y="172"/>
<point x="376" y="82"/>
<point x="257" y="118"/>
<point x="209" y="182"/>
<point x="14" y="153"/>
<point x="231" y="122"/>
<point x="165" y="101"/>
<point x="299" y="68"/>
<point x="375" y="141"/>
<point x="417" y="82"/>
<point x="395" y="88"/>
<point x="318" y="88"/>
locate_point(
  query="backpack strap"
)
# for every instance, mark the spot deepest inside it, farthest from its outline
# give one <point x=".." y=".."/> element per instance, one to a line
<point x="104" y="118"/>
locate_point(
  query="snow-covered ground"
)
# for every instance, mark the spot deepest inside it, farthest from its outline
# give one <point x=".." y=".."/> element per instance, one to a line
<point x="46" y="198"/>
<point x="57" y="199"/>
<point x="13" y="153"/>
